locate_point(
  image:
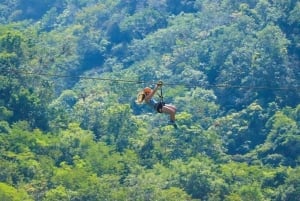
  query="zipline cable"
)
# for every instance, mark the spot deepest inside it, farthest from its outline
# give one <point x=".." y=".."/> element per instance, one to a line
<point x="80" y="77"/>
<point x="226" y="86"/>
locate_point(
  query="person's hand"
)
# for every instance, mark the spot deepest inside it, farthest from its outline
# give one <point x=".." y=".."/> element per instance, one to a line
<point x="159" y="84"/>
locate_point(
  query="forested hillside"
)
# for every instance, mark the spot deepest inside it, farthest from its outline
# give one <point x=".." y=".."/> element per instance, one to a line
<point x="70" y="128"/>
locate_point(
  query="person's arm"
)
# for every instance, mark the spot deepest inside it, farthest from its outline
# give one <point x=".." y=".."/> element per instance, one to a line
<point x="149" y="96"/>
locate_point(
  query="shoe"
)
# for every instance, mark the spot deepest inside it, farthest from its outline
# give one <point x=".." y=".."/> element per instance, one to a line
<point x="173" y="123"/>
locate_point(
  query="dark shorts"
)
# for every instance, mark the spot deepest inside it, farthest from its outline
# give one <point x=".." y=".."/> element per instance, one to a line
<point x="159" y="106"/>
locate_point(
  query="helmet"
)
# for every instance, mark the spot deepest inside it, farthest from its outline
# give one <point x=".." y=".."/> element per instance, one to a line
<point x="147" y="90"/>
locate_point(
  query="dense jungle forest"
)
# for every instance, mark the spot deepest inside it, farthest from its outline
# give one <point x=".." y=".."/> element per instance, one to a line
<point x="70" y="128"/>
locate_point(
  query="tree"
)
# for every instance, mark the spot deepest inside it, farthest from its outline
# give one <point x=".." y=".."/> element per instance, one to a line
<point x="34" y="9"/>
<point x="142" y="23"/>
<point x="58" y="193"/>
<point x="284" y="136"/>
<point x="118" y="125"/>
<point x="61" y="109"/>
<point x="293" y="22"/>
<point x="23" y="101"/>
<point x="246" y="193"/>
<point x="74" y="141"/>
<point x="67" y="182"/>
<point x="242" y="131"/>
<point x="29" y="107"/>
<point x="196" y="177"/>
<point x="201" y="100"/>
<point x="291" y="189"/>
<point x="9" y="193"/>
<point x="103" y="159"/>
<point x="282" y="139"/>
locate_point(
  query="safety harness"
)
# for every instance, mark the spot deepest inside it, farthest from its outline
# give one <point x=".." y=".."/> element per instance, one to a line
<point x="161" y="102"/>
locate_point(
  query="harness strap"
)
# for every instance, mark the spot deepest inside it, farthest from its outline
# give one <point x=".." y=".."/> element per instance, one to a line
<point x="161" y="92"/>
<point x="161" y="95"/>
<point x="161" y="102"/>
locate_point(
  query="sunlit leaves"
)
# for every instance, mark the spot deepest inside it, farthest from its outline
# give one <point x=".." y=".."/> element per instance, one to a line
<point x="284" y="136"/>
<point x="10" y="49"/>
<point x="228" y="68"/>
<point x="9" y="193"/>
<point x="295" y="14"/>
<point x="291" y="189"/>
<point x="243" y="130"/>
<point x="142" y="23"/>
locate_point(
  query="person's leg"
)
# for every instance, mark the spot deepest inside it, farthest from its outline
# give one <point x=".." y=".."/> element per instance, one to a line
<point x="171" y="110"/>
<point x="171" y="106"/>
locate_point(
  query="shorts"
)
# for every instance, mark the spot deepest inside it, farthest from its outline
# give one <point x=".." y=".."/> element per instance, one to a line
<point x="159" y="106"/>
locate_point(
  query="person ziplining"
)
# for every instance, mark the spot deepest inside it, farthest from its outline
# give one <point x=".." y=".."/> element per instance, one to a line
<point x="146" y="96"/>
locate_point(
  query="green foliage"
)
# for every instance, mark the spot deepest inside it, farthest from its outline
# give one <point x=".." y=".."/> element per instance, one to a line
<point x="11" y="51"/>
<point x="9" y="193"/>
<point x="283" y="138"/>
<point x="294" y="14"/>
<point x="242" y="131"/>
<point x="291" y="189"/>
<point x="246" y="193"/>
<point x="69" y="74"/>
<point x="10" y="42"/>
<point x="59" y="193"/>
<point x="201" y="106"/>
<point x="5" y="114"/>
<point x="142" y="23"/>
